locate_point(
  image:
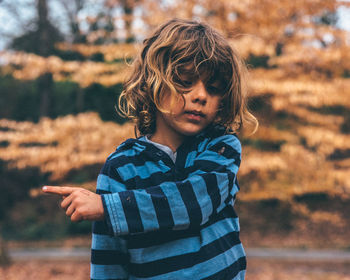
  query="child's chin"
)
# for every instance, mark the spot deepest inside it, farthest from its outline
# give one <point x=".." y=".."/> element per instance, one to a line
<point x="192" y="132"/>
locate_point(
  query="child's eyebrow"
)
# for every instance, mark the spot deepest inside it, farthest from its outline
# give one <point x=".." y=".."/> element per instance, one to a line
<point x="187" y="73"/>
<point x="186" y="69"/>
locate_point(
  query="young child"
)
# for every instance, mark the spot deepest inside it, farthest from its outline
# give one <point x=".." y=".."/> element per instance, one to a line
<point x="163" y="208"/>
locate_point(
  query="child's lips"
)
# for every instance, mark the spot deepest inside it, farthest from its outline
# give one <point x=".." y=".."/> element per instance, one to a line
<point x="196" y="116"/>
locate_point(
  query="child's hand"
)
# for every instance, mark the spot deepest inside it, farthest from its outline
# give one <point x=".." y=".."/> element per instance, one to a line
<point x="79" y="203"/>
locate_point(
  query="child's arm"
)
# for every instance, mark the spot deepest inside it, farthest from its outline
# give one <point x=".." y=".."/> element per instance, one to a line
<point x="170" y="205"/>
<point x="178" y="205"/>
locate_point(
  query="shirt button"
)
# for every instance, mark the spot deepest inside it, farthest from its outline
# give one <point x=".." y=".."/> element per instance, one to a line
<point x="159" y="153"/>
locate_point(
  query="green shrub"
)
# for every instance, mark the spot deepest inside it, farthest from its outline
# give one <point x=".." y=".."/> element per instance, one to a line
<point x="20" y="100"/>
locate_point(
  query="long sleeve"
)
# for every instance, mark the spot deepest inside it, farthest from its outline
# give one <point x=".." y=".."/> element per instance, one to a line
<point x="109" y="256"/>
<point x="208" y="188"/>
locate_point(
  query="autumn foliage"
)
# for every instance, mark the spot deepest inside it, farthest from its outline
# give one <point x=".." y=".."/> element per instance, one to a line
<point x="299" y="65"/>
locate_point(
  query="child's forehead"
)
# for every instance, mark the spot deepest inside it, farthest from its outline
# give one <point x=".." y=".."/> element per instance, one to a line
<point x="205" y="72"/>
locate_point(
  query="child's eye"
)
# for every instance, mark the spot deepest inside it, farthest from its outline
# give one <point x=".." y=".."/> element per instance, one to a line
<point x="214" y="90"/>
<point x="186" y="84"/>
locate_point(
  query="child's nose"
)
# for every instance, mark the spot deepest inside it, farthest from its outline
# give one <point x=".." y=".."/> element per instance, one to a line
<point x="199" y="94"/>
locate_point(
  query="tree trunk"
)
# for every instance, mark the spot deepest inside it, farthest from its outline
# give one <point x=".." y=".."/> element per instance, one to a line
<point x="128" y="8"/>
<point x="4" y="255"/>
<point x="80" y="100"/>
<point x="43" y="28"/>
<point x="45" y="82"/>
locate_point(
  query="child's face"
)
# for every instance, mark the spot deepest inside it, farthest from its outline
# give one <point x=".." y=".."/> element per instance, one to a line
<point x="189" y="117"/>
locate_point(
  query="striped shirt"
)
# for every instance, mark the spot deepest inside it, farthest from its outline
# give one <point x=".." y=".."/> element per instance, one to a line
<point x="166" y="219"/>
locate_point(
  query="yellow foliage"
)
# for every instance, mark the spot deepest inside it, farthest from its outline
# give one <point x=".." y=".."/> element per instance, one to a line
<point x="305" y="81"/>
<point x="59" y="145"/>
<point x="85" y="73"/>
<point x="110" y="51"/>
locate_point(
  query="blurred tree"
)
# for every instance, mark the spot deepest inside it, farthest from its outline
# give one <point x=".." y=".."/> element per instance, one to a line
<point x="45" y="85"/>
<point x="46" y="47"/>
<point x="15" y="185"/>
<point x="102" y="28"/>
<point x="40" y="41"/>
<point x="4" y="255"/>
<point x="27" y="42"/>
<point x="72" y="9"/>
<point x="127" y="7"/>
<point x="43" y="38"/>
<point x="277" y="22"/>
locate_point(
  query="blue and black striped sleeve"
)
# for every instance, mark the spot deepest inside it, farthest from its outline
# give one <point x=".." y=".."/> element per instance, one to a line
<point x="108" y="253"/>
<point x="181" y="204"/>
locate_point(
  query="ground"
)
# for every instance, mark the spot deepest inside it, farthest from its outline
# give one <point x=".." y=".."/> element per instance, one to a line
<point x="257" y="270"/>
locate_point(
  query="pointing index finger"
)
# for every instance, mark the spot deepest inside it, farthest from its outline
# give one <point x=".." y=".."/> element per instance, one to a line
<point x="58" y="190"/>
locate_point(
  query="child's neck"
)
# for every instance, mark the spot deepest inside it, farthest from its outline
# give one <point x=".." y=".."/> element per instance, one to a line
<point x="166" y="136"/>
<point x="173" y="142"/>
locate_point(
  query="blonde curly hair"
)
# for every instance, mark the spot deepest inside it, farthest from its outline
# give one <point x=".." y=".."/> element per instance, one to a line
<point x="177" y="52"/>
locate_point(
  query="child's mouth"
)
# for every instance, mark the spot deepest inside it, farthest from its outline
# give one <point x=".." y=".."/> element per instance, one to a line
<point x="195" y="115"/>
